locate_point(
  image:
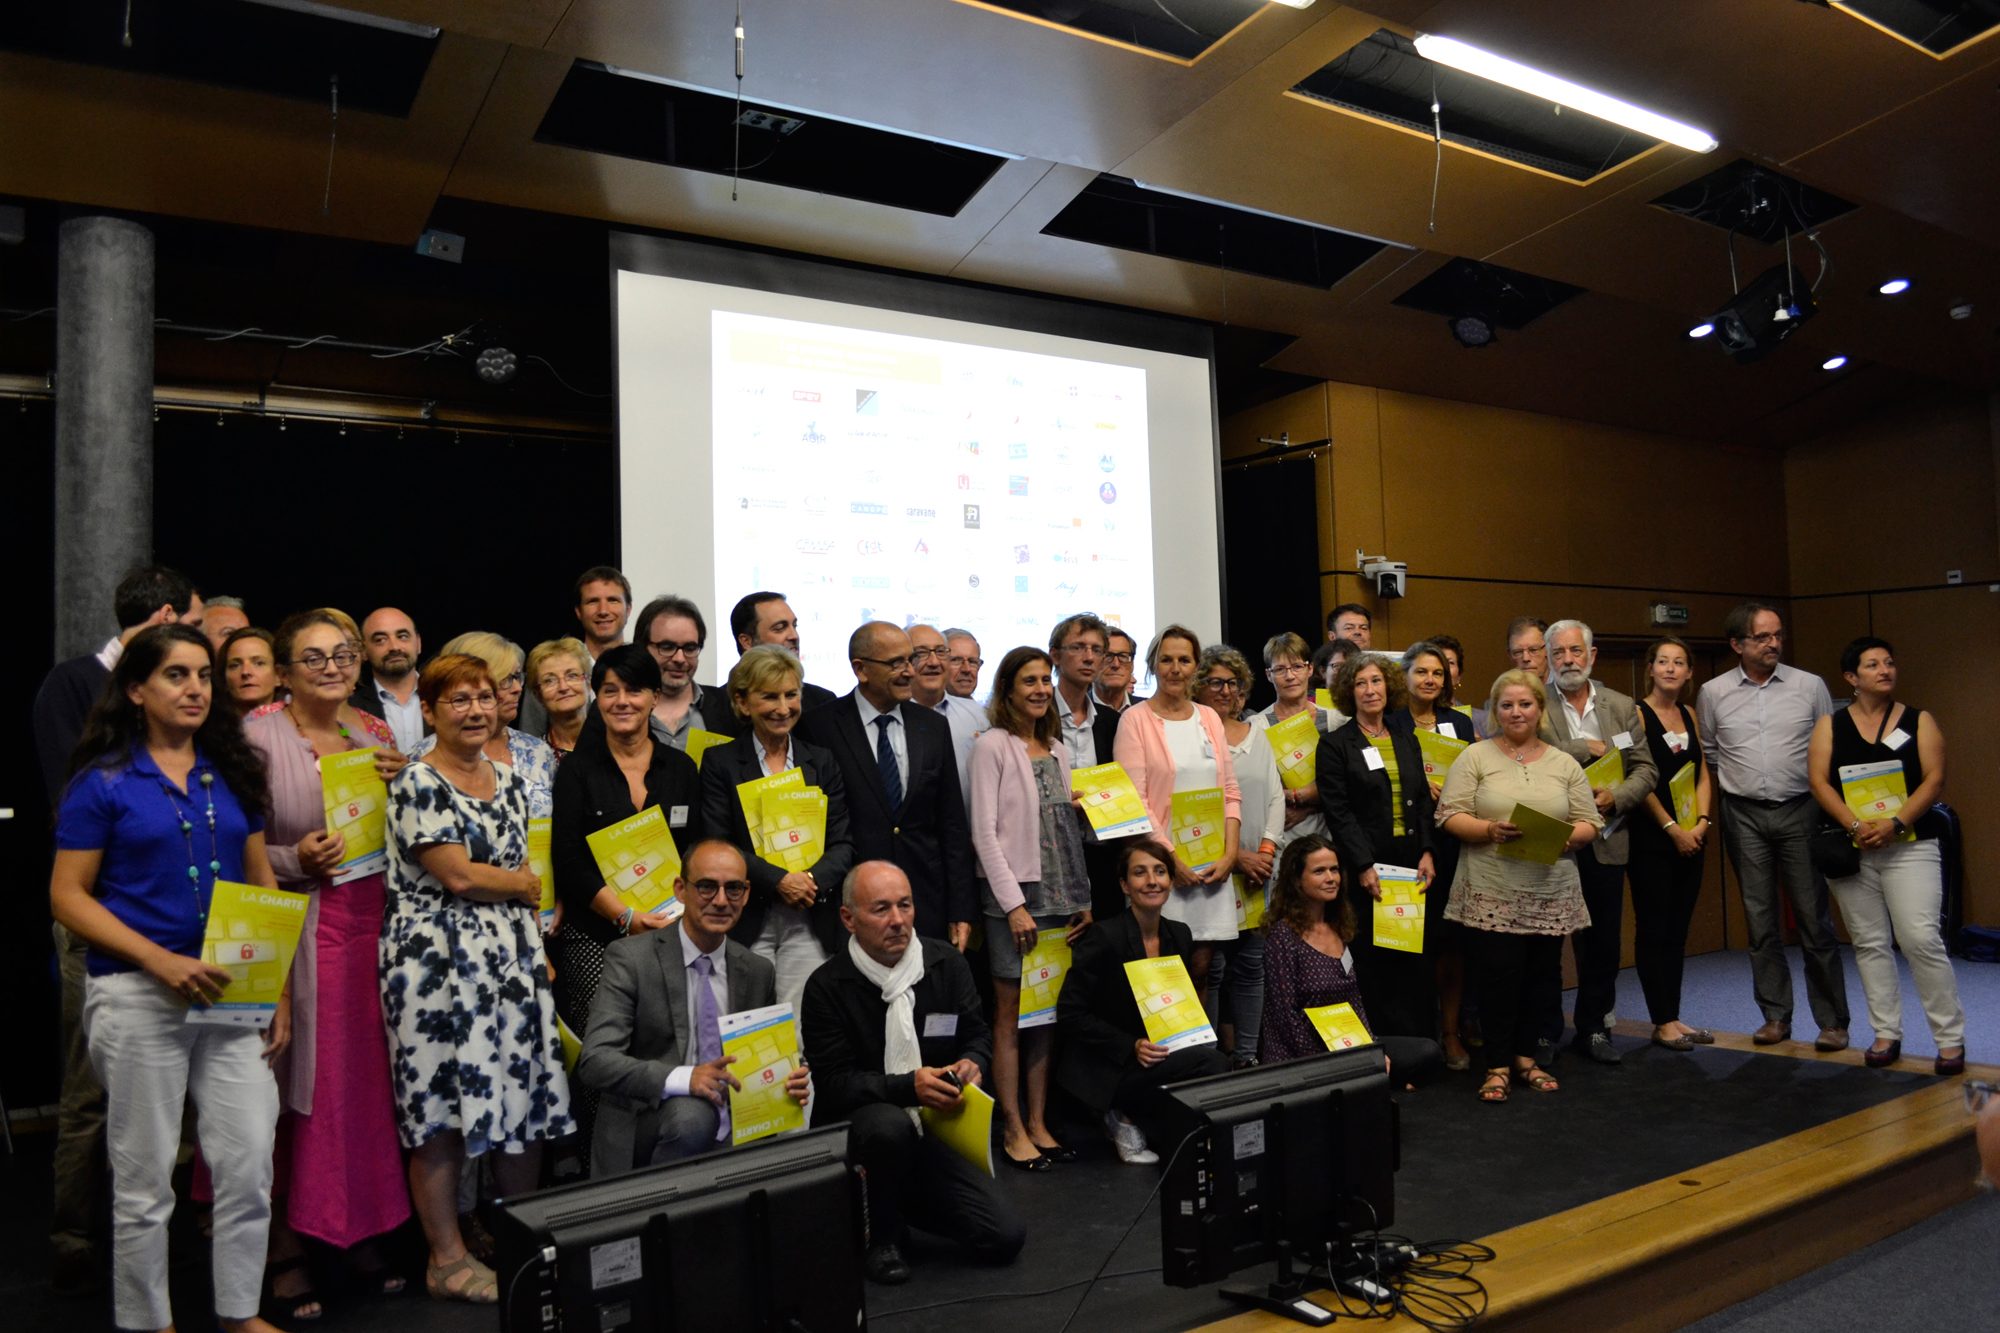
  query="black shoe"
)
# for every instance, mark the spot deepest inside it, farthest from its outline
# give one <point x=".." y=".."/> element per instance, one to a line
<point x="1883" y="1058"/>
<point x="1038" y="1162"/>
<point x="1058" y="1154"/>
<point x="1599" y="1048"/>
<point x="885" y="1264"/>
<point x="1545" y="1053"/>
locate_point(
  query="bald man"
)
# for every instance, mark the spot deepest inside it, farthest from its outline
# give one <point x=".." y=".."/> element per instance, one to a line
<point x="388" y="688"/>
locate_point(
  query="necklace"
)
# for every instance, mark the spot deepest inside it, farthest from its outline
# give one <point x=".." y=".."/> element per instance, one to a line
<point x="297" y="726"/>
<point x="1366" y="730"/>
<point x="186" y="819"/>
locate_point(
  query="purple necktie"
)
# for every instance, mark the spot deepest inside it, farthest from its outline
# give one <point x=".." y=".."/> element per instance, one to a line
<point x="707" y="1027"/>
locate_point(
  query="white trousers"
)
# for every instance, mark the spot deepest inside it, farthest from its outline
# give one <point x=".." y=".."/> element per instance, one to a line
<point x="1896" y="898"/>
<point x="150" y="1061"/>
<point x="788" y="941"/>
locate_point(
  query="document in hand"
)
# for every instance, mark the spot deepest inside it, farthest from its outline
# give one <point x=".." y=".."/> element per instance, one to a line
<point x="1439" y="752"/>
<point x="701" y="742"/>
<point x="1197" y="820"/>
<point x="1168" y="1006"/>
<point x="1605" y="771"/>
<point x="1399" y="912"/>
<point x="1876" y="791"/>
<point x="1042" y="973"/>
<point x="252" y="934"/>
<point x="1339" y="1027"/>
<point x="1295" y="745"/>
<point x="765" y="1043"/>
<point x="572" y="1046"/>
<point x="793" y="834"/>
<point x="967" y="1129"/>
<point x="639" y="862"/>
<point x="1110" y="802"/>
<point x="1542" y="838"/>
<point x="357" y="808"/>
<point x="1681" y="787"/>
<point x="539" y="861"/>
<point x="1252" y="902"/>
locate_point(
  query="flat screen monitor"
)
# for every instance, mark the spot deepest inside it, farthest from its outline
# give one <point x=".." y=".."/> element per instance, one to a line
<point x="762" y="1237"/>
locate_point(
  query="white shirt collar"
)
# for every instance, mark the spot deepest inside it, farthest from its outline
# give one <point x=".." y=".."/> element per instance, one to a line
<point x="691" y="951"/>
<point x="109" y="654"/>
<point x="869" y="712"/>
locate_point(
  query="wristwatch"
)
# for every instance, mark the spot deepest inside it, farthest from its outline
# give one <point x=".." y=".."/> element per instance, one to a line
<point x="1901" y="827"/>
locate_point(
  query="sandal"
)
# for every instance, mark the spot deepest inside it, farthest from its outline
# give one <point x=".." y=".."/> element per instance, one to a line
<point x="481" y="1285"/>
<point x="1494" y="1087"/>
<point x="377" y="1276"/>
<point x="1538" y="1078"/>
<point x="298" y="1307"/>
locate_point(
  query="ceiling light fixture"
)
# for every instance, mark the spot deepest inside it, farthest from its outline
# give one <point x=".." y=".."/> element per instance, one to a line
<point x="1537" y="83"/>
<point x="1701" y="330"/>
<point x="1472" y="329"/>
<point x="1894" y="287"/>
<point x="1833" y="363"/>
<point x="1296" y="4"/>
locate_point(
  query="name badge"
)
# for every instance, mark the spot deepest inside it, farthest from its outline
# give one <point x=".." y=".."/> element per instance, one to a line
<point x="677" y="816"/>
<point x="1447" y="730"/>
<point x="940" y="1025"/>
<point x="1622" y="740"/>
<point x="1676" y="742"/>
<point x="1896" y="739"/>
<point x="1373" y="758"/>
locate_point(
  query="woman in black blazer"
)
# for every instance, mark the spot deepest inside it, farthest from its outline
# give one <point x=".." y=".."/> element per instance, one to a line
<point x="1104" y="1058"/>
<point x="793" y="916"/>
<point x="1379" y="811"/>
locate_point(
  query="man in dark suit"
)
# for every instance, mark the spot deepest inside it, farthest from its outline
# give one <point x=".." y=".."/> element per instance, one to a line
<point x="892" y="1023"/>
<point x="901" y="773"/>
<point x="766" y="617"/>
<point x="1078" y="644"/>
<point x="653" y="1049"/>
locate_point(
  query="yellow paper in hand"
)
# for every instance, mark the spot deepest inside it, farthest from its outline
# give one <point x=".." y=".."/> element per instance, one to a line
<point x="1250" y="903"/>
<point x="1197" y="820"/>
<point x="750" y="795"/>
<point x="1439" y="753"/>
<point x="1606" y="771"/>
<point x="1339" y="1027"/>
<point x="1876" y="791"/>
<point x="967" y="1129"/>
<point x="1542" y="839"/>
<point x="1168" y="1005"/>
<point x="639" y="862"/>
<point x="701" y="742"/>
<point x="765" y="1043"/>
<point x="357" y="808"/>
<point x="1295" y="745"/>
<point x="1399" y="912"/>
<point x="1110" y="802"/>
<point x="572" y="1046"/>
<point x="1681" y="788"/>
<point x="539" y="861"/>
<point x="253" y="934"/>
<point x="1324" y="698"/>
<point x="793" y="835"/>
<point x="1042" y="973"/>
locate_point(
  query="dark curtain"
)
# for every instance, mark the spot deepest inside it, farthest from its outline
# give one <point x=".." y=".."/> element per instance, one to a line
<point x="1270" y="543"/>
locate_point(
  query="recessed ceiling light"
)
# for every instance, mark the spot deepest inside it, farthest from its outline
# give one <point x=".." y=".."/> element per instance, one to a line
<point x="1296" y="4"/>
<point x="1894" y="287"/>
<point x="1539" y="83"/>
<point x="1833" y="363"/>
<point x="1701" y="330"/>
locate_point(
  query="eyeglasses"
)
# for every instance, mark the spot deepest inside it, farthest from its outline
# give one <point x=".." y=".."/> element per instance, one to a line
<point x="464" y="703"/>
<point x="312" y="659"/>
<point x="1088" y="649"/>
<point x="512" y="682"/>
<point x="1765" y="640"/>
<point x="1221" y="683"/>
<point x="890" y="664"/>
<point x="1977" y="1094"/>
<point x="1120" y="657"/>
<point x="1288" y="669"/>
<point x="736" y="890"/>
<point x="966" y="661"/>
<point x="667" y="648"/>
<point x="552" y="679"/>
<point x="926" y="654"/>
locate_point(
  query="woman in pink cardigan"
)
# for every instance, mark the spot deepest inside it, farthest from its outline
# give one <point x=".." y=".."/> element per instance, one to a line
<point x="1029" y="842"/>
<point x="1168" y="744"/>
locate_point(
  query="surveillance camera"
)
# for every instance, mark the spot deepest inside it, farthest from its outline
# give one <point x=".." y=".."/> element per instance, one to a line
<point x="1386" y="577"/>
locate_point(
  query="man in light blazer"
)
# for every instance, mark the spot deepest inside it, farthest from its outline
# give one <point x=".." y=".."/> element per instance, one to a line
<point x="904" y="804"/>
<point x="1584" y="720"/>
<point x="664" y="1091"/>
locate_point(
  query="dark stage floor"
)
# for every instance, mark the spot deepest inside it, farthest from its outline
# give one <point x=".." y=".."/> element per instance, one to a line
<point x="1469" y="1170"/>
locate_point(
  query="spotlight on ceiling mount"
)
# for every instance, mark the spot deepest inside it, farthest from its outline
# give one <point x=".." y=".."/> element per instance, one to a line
<point x="1473" y="329"/>
<point x="1834" y="362"/>
<point x="1765" y="313"/>
<point x="496" y="365"/>
<point x="1701" y="330"/>
<point x="1894" y="287"/>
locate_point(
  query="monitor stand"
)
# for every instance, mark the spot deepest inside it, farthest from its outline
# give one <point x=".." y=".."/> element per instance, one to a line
<point x="1286" y="1296"/>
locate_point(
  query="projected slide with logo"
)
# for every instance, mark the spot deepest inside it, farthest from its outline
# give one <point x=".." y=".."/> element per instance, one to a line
<point x="872" y="475"/>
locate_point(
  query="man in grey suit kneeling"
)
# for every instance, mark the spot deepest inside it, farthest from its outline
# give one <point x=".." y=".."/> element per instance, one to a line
<point x="653" y="1048"/>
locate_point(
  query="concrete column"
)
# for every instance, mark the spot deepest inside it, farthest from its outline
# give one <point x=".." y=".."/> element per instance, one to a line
<point x="104" y="421"/>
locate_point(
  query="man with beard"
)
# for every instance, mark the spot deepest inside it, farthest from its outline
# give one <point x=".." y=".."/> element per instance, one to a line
<point x="1585" y="720"/>
<point x="927" y="659"/>
<point x="674" y="631"/>
<point x="388" y="688"/>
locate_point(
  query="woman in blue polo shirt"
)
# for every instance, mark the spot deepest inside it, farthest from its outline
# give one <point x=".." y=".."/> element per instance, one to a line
<point x="167" y="799"/>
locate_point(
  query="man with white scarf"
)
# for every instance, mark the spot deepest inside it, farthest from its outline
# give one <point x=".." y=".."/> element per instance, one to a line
<point x="893" y="1023"/>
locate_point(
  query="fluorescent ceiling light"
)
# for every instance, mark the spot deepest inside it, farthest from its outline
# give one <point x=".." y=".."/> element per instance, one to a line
<point x="1499" y="69"/>
<point x="1296" y="4"/>
<point x="350" y="16"/>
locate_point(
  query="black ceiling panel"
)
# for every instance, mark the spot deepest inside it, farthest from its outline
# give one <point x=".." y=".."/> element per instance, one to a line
<point x="1936" y="25"/>
<point x="1507" y="297"/>
<point x="1183" y="28"/>
<point x="1750" y="200"/>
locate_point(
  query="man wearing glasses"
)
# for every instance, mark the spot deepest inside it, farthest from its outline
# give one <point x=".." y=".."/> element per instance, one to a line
<point x="929" y="661"/>
<point x="904" y="801"/>
<point x="389" y="687"/>
<point x="674" y="632"/>
<point x="962" y="664"/>
<point x="653" y="1049"/>
<point x="1755" y="723"/>
<point x="1114" y="675"/>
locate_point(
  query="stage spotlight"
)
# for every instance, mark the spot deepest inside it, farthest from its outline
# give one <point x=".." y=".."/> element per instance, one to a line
<point x="1763" y="314"/>
<point x="1472" y="329"/>
<point x="1894" y="287"/>
<point x="1701" y="330"/>
<point x="496" y="365"/>
<point x="1833" y="363"/>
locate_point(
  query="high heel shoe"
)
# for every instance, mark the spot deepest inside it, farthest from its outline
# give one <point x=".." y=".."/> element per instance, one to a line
<point x="1882" y="1059"/>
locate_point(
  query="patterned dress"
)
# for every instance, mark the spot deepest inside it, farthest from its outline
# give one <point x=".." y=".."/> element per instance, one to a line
<point x="465" y="992"/>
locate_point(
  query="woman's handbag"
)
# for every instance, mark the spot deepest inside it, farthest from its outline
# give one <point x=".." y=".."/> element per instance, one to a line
<point x="1833" y="853"/>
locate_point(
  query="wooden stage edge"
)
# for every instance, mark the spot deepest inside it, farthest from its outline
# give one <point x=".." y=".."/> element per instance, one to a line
<point x="1678" y="1249"/>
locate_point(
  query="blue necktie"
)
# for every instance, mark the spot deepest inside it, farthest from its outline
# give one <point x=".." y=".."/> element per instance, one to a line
<point x="707" y="1027"/>
<point x="885" y="760"/>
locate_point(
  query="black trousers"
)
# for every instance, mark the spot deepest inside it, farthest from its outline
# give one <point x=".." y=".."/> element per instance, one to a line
<point x="1398" y="989"/>
<point x="915" y="1181"/>
<point x="1138" y="1094"/>
<point x="1665" y="885"/>
<point x="1520" y="980"/>
<point x="1597" y="948"/>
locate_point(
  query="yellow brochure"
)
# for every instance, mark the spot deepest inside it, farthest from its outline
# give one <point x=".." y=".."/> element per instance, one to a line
<point x="750" y="795"/>
<point x="357" y="808"/>
<point x="1439" y="753"/>
<point x="1339" y="1027"/>
<point x="793" y="834"/>
<point x="1399" y="912"/>
<point x="1681" y="787"/>
<point x="252" y="934"/>
<point x="539" y="832"/>
<point x="1605" y="771"/>
<point x="1324" y="698"/>
<point x="765" y="1043"/>
<point x="1197" y="819"/>
<point x="1110" y="802"/>
<point x="1295" y="745"/>
<point x="1542" y="839"/>
<point x="1042" y="973"/>
<point x="968" y="1130"/>
<point x="1876" y="791"/>
<point x="572" y="1046"/>
<point x="701" y="742"/>
<point x="1251" y="903"/>
<point x="1168" y="1005"/>
<point x="638" y="859"/>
